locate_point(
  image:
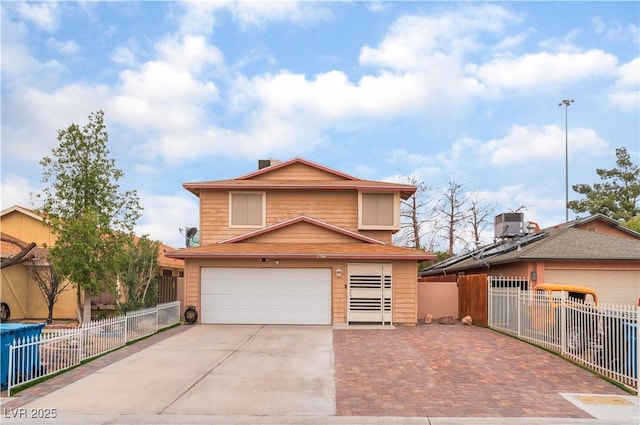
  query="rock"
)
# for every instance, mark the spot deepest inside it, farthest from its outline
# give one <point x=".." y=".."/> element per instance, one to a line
<point x="428" y="318"/>
<point x="448" y="320"/>
<point x="466" y="320"/>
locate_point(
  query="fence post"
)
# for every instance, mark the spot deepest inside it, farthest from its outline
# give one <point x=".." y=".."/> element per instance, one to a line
<point x="563" y="322"/>
<point x="157" y="317"/>
<point x="518" y="302"/>
<point x="81" y="340"/>
<point x="490" y="302"/>
<point x="11" y="367"/>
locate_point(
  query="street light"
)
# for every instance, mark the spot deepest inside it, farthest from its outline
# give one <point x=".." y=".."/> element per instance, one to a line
<point x="566" y="103"/>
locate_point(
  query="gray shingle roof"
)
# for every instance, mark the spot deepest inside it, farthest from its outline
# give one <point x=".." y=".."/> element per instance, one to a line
<point x="554" y="243"/>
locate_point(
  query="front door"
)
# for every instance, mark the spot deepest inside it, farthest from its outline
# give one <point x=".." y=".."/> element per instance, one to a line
<point x="369" y="293"/>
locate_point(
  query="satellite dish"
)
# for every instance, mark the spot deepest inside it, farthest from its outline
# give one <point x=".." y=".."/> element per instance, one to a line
<point x="191" y="232"/>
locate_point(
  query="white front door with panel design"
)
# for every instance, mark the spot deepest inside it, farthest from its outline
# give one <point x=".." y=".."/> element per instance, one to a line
<point x="369" y="290"/>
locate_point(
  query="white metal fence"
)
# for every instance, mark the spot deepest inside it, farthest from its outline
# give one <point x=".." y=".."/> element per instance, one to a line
<point x="36" y="356"/>
<point x="603" y="337"/>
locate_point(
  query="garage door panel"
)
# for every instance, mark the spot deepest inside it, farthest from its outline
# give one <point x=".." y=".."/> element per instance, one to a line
<point x="266" y="296"/>
<point x="612" y="286"/>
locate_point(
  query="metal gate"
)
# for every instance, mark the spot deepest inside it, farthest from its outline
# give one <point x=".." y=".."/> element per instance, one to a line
<point x="369" y="293"/>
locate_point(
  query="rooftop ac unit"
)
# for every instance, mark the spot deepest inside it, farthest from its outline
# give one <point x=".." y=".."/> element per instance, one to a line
<point x="509" y="225"/>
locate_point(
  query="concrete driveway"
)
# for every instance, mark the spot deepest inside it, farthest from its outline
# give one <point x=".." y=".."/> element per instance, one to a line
<point x="212" y="370"/>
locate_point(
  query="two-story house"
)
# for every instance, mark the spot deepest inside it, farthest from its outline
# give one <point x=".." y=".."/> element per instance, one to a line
<point x="296" y="242"/>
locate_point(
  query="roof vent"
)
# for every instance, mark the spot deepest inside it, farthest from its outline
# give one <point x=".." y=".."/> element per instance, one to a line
<point x="264" y="163"/>
<point x="509" y="225"/>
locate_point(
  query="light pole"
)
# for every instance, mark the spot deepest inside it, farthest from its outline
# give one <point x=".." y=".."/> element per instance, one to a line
<point x="566" y="103"/>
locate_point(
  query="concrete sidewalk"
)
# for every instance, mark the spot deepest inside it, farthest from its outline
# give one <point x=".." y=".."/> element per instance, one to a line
<point x="301" y="420"/>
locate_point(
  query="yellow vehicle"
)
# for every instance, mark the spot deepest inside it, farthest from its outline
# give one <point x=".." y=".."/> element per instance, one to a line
<point x="576" y="293"/>
<point x="546" y="316"/>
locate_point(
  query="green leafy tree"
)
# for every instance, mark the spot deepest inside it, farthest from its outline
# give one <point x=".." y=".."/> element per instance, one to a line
<point x="138" y="273"/>
<point x="633" y="224"/>
<point x="618" y="196"/>
<point x="82" y="201"/>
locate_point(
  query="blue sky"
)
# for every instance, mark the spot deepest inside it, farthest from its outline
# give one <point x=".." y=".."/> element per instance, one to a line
<point x="380" y="90"/>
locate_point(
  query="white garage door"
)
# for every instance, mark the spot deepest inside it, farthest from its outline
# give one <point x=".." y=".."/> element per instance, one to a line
<point x="612" y="286"/>
<point x="266" y="296"/>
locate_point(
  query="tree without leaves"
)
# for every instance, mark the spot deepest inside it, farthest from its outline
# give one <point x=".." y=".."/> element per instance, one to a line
<point x="48" y="281"/>
<point x="412" y="213"/>
<point x="479" y="214"/>
<point x="82" y="202"/>
<point x="618" y="197"/>
<point x="451" y="209"/>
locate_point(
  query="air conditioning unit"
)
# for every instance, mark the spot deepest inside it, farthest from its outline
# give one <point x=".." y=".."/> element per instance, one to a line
<point x="509" y="225"/>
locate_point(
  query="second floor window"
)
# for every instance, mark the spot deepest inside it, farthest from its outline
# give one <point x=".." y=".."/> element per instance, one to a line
<point x="378" y="211"/>
<point x="246" y="209"/>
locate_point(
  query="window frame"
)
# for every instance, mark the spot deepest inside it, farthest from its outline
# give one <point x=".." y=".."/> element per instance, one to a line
<point x="396" y="211"/>
<point x="248" y="226"/>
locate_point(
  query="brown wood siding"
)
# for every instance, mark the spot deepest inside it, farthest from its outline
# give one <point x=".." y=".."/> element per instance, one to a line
<point x="385" y="236"/>
<point x="473" y="296"/>
<point x="302" y="232"/>
<point x="214" y="217"/>
<point x="338" y="295"/>
<point x="299" y="172"/>
<point x="338" y="208"/>
<point x="405" y="292"/>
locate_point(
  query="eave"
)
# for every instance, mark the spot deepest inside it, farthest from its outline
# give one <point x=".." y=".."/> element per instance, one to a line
<point x="308" y="251"/>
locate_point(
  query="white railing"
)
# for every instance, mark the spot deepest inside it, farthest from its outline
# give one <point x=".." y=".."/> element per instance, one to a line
<point x="603" y="338"/>
<point x="53" y="351"/>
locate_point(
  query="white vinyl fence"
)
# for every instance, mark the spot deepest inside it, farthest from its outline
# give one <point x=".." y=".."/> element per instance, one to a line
<point x="603" y="337"/>
<point x="55" y="350"/>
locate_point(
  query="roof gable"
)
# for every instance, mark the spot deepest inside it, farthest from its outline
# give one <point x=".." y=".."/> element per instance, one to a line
<point x="296" y="169"/>
<point x="603" y="223"/>
<point x="299" y="174"/>
<point x="21" y="210"/>
<point x="325" y="231"/>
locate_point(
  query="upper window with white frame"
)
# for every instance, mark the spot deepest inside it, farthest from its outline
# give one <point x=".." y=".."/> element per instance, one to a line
<point x="247" y="209"/>
<point x="378" y="211"/>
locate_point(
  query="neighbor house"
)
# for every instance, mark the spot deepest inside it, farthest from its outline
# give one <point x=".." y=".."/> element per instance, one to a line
<point x="17" y="288"/>
<point x="595" y="251"/>
<point x="20" y="292"/>
<point x="296" y="242"/>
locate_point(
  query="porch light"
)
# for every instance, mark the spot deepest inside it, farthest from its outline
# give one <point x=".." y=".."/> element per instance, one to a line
<point x="338" y="272"/>
<point x="534" y="275"/>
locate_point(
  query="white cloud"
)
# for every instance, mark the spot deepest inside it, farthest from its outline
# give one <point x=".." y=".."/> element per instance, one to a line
<point x="413" y="41"/>
<point x="44" y="14"/>
<point x="16" y="190"/>
<point x="35" y="128"/>
<point x="259" y="13"/>
<point x="625" y="93"/>
<point x="616" y="31"/>
<point x="544" y="71"/>
<point x="527" y="144"/>
<point x="123" y="55"/>
<point x="66" y="47"/>
<point x="17" y="61"/>
<point x="200" y="17"/>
